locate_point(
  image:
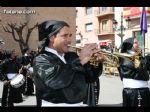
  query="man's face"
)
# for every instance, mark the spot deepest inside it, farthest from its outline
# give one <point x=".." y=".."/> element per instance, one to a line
<point x="14" y="55"/>
<point x="135" y="45"/>
<point x="62" y="40"/>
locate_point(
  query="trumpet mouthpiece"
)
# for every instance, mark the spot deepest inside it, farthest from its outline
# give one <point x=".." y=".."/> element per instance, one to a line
<point x="69" y="45"/>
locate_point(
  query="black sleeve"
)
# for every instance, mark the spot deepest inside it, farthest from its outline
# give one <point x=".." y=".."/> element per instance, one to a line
<point x="24" y="60"/>
<point x="148" y="62"/>
<point x="3" y="70"/>
<point x="54" y="74"/>
<point x="2" y="77"/>
<point x="126" y="69"/>
<point x="119" y="70"/>
<point x="92" y="72"/>
<point x="19" y="62"/>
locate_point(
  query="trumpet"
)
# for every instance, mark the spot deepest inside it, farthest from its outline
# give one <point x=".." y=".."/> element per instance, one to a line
<point x="93" y="60"/>
<point x="112" y="59"/>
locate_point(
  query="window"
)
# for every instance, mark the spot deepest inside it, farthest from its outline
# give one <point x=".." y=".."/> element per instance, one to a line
<point x="138" y="36"/>
<point x="88" y="27"/>
<point x="113" y="9"/>
<point x="76" y="13"/>
<point x="78" y="41"/>
<point x="104" y="25"/>
<point x="76" y="28"/>
<point x="104" y="8"/>
<point x="88" y="10"/>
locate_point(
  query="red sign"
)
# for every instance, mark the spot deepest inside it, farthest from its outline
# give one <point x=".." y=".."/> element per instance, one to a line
<point x="105" y="43"/>
<point x="134" y="11"/>
<point x="131" y="11"/>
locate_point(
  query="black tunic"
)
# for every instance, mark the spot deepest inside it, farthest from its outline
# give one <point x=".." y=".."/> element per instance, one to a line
<point x="28" y="87"/>
<point x="132" y="96"/>
<point x="57" y="82"/>
<point x="10" y="95"/>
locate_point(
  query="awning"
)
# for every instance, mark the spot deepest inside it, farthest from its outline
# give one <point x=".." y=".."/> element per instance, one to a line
<point x="105" y="42"/>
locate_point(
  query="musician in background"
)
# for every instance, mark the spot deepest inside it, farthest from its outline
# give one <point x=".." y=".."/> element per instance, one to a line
<point x="26" y="61"/>
<point x="9" y="68"/>
<point x="134" y="75"/>
<point x="4" y="54"/>
<point x="62" y="77"/>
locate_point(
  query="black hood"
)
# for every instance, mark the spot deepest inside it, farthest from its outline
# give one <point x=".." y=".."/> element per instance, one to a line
<point x="49" y="28"/>
<point x="127" y="44"/>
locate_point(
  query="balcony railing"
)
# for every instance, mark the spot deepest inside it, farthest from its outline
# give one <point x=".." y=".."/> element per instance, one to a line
<point x="99" y="12"/>
<point x="104" y="32"/>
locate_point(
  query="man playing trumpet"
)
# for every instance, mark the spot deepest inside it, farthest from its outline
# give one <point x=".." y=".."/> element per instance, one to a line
<point x="134" y="75"/>
<point x="61" y="77"/>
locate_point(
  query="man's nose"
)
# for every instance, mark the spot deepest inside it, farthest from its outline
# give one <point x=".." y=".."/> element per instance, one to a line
<point x="68" y="38"/>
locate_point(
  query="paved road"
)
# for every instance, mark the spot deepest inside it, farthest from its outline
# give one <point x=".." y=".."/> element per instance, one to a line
<point x="28" y="101"/>
<point x="110" y="93"/>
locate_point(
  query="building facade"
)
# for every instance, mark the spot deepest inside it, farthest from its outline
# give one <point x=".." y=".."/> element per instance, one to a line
<point x="132" y="27"/>
<point x="33" y="15"/>
<point x="94" y="25"/>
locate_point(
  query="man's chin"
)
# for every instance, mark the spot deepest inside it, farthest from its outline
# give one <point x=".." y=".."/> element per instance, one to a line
<point x="66" y="49"/>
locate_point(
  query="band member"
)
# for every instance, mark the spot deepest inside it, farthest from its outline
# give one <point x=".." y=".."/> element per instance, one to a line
<point x="134" y="75"/>
<point x="62" y="77"/>
<point x="28" y="87"/>
<point x="4" y="54"/>
<point x="9" y="68"/>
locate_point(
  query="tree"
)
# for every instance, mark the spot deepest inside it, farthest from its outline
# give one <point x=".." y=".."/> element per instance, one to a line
<point x="18" y="29"/>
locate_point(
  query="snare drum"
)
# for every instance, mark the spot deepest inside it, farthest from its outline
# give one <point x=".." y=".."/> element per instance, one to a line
<point x="17" y="81"/>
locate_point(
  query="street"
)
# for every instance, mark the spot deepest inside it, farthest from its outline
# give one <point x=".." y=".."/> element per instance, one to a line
<point x="110" y="93"/>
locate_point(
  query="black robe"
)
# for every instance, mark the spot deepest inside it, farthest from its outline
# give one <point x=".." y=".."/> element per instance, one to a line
<point x="10" y="95"/>
<point x="65" y="83"/>
<point x="28" y="87"/>
<point x="132" y="96"/>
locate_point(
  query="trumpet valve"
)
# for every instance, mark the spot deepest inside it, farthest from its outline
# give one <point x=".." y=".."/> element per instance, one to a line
<point x="94" y="62"/>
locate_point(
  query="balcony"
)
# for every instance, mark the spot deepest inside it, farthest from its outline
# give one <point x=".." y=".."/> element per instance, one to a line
<point x="107" y="12"/>
<point x="105" y="32"/>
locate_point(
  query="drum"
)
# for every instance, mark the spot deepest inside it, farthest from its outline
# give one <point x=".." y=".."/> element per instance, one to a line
<point x="17" y="81"/>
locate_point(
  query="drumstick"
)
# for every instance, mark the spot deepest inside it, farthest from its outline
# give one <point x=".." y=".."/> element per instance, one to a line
<point x="20" y="69"/>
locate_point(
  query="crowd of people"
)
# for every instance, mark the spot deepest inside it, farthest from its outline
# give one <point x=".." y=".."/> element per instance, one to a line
<point x="11" y="66"/>
<point x="66" y="79"/>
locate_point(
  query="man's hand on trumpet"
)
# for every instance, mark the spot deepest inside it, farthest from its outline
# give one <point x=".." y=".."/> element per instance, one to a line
<point x="88" y="51"/>
<point x="99" y="56"/>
